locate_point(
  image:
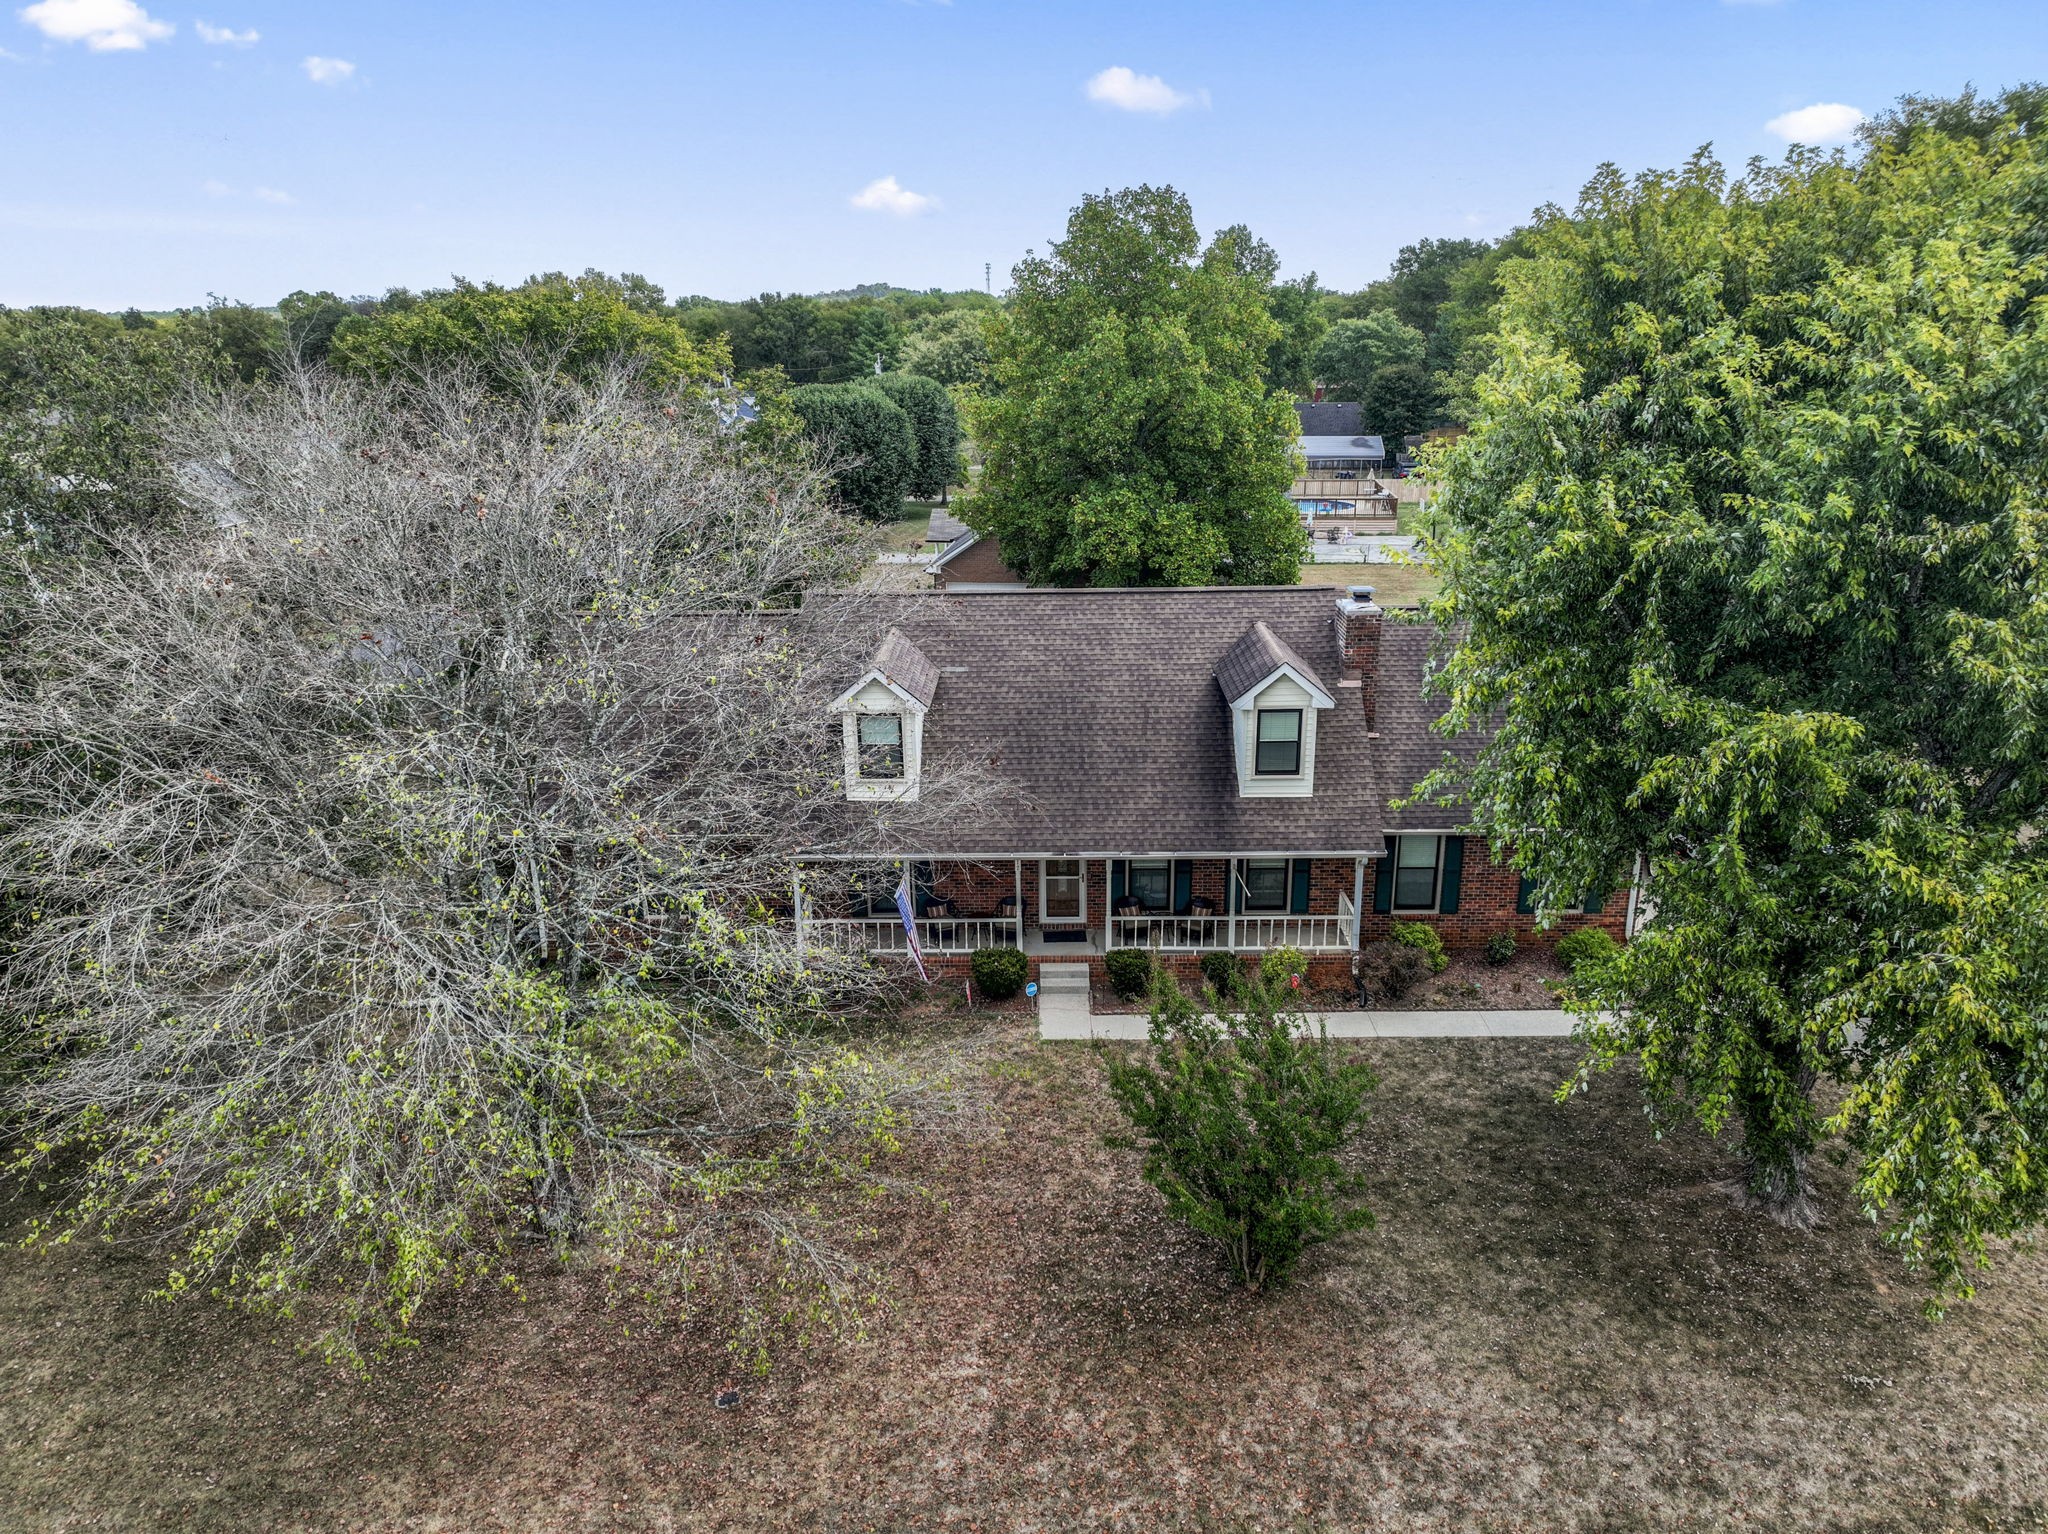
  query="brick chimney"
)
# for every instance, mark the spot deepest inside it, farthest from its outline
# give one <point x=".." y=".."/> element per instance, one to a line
<point x="1358" y="635"/>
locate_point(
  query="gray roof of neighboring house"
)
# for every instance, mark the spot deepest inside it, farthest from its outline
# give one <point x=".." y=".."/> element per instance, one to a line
<point x="907" y="666"/>
<point x="1253" y="658"/>
<point x="1330" y="418"/>
<point x="1343" y="447"/>
<point x="944" y="528"/>
<point x="1100" y="708"/>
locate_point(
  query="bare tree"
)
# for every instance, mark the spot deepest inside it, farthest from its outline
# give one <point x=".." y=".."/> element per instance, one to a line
<point x="404" y="833"/>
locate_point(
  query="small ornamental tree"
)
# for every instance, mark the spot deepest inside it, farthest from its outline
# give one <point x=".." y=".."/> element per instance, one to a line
<point x="1242" y="1123"/>
<point x="866" y="440"/>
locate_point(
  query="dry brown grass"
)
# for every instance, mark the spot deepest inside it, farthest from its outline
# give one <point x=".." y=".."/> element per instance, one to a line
<point x="1559" y="1325"/>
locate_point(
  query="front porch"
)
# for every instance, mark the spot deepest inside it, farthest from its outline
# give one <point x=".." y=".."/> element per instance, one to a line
<point x="1081" y="908"/>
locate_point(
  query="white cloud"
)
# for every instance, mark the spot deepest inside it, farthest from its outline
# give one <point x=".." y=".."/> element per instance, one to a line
<point x="271" y="194"/>
<point x="104" y="26"/>
<point x="327" y="71"/>
<point x="1130" y="92"/>
<point x="1825" y="122"/>
<point x="887" y="196"/>
<point x="225" y="37"/>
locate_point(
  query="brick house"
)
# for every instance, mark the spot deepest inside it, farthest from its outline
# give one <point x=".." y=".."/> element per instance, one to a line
<point x="1185" y="769"/>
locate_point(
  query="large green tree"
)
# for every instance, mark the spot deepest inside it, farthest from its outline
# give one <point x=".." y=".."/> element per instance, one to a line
<point x="935" y="423"/>
<point x="1351" y="352"/>
<point x="1129" y="436"/>
<point x="947" y="347"/>
<point x="867" y="441"/>
<point x="586" y="324"/>
<point x="1747" y="546"/>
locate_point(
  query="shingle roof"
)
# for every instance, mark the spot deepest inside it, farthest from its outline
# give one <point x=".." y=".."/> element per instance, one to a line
<point x="1099" y="707"/>
<point x="903" y="663"/>
<point x="944" y="527"/>
<point x="1409" y="750"/>
<point x="1255" y="656"/>
<point x="1330" y="418"/>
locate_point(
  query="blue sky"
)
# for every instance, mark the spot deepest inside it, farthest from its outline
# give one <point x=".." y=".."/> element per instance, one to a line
<point x="159" y="151"/>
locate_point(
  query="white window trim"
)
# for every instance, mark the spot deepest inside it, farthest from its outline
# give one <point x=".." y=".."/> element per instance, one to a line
<point x="1244" y="887"/>
<point x="1436" y="900"/>
<point x="1082" y="880"/>
<point x="907" y="709"/>
<point x="1131" y="866"/>
<point x="1253" y="784"/>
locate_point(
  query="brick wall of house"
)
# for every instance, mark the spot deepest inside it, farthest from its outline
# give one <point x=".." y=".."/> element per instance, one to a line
<point x="980" y="563"/>
<point x="1486" y="905"/>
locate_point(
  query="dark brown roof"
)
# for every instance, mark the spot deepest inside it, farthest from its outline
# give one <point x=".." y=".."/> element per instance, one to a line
<point x="1409" y="750"/>
<point x="903" y="663"/>
<point x="1253" y="658"/>
<point x="1098" y="706"/>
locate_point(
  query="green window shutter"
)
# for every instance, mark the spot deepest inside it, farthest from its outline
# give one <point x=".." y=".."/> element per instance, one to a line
<point x="1454" y="870"/>
<point x="1297" y="903"/>
<point x="1383" y="880"/>
<point x="1183" y="886"/>
<point x="1525" y="897"/>
<point x="1119" y="880"/>
<point x="1594" y="903"/>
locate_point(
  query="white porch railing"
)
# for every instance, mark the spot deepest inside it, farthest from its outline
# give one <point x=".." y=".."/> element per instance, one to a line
<point x="935" y="934"/>
<point x="1244" y="934"/>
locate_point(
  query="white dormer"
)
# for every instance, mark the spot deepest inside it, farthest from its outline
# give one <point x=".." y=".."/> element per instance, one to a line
<point x="1274" y="697"/>
<point x="882" y="721"/>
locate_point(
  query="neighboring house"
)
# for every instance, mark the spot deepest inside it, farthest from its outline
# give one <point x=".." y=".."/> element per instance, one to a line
<point x="1185" y="770"/>
<point x="1338" y="485"/>
<point x="973" y="563"/>
<point x="943" y="528"/>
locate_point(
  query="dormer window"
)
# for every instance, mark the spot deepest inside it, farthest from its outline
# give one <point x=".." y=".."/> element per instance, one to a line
<point x="1278" y="752"/>
<point x="883" y="716"/>
<point x="881" y="746"/>
<point x="1275" y="697"/>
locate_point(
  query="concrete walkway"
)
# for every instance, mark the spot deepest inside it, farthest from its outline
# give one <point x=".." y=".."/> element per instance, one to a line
<point x="1064" y="1012"/>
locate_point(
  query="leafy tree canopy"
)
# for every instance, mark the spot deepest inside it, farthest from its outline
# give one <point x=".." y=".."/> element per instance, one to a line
<point x="1129" y="436"/>
<point x="867" y="440"/>
<point x="936" y="425"/>
<point x="1352" y="351"/>
<point x="1747" y="536"/>
<point x="585" y="322"/>
<point x="947" y="347"/>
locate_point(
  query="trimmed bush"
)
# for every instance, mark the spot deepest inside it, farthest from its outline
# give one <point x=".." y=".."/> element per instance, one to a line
<point x="1282" y="964"/>
<point x="1244" y="1125"/>
<point x="1130" y="971"/>
<point x="999" y="973"/>
<point x="1221" y="969"/>
<point x="1590" y="946"/>
<point x="934" y="422"/>
<point x="1388" y="971"/>
<point x="867" y="438"/>
<point x="1424" y="940"/>
<point x="1500" y="949"/>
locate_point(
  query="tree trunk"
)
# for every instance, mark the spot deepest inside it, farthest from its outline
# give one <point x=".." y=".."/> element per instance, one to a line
<point x="1774" y="1181"/>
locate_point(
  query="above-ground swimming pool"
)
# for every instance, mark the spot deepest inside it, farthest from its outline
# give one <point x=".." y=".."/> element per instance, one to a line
<point x="1326" y="508"/>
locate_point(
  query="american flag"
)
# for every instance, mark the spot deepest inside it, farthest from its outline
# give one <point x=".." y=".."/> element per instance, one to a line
<point x="906" y="908"/>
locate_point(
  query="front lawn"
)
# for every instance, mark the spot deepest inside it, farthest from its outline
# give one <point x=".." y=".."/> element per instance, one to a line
<point x="1560" y="1324"/>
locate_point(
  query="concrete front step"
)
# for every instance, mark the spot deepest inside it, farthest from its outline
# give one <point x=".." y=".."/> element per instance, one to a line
<point x="1063" y="978"/>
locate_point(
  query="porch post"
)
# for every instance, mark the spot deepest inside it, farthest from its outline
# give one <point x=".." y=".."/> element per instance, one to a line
<point x="796" y="902"/>
<point x="1230" y="898"/>
<point x="1358" y="905"/>
<point x="1017" y="888"/>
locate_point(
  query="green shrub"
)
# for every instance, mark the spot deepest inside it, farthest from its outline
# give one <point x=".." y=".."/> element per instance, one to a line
<point x="1221" y="969"/>
<point x="867" y="438"/>
<point x="1500" y="949"/>
<point x="1241" y="1124"/>
<point x="999" y="972"/>
<point x="1281" y="965"/>
<point x="1588" y="946"/>
<point x="1129" y="970"/>
<point x="1424" y="939"/>
<point x="1389" y="971"/>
